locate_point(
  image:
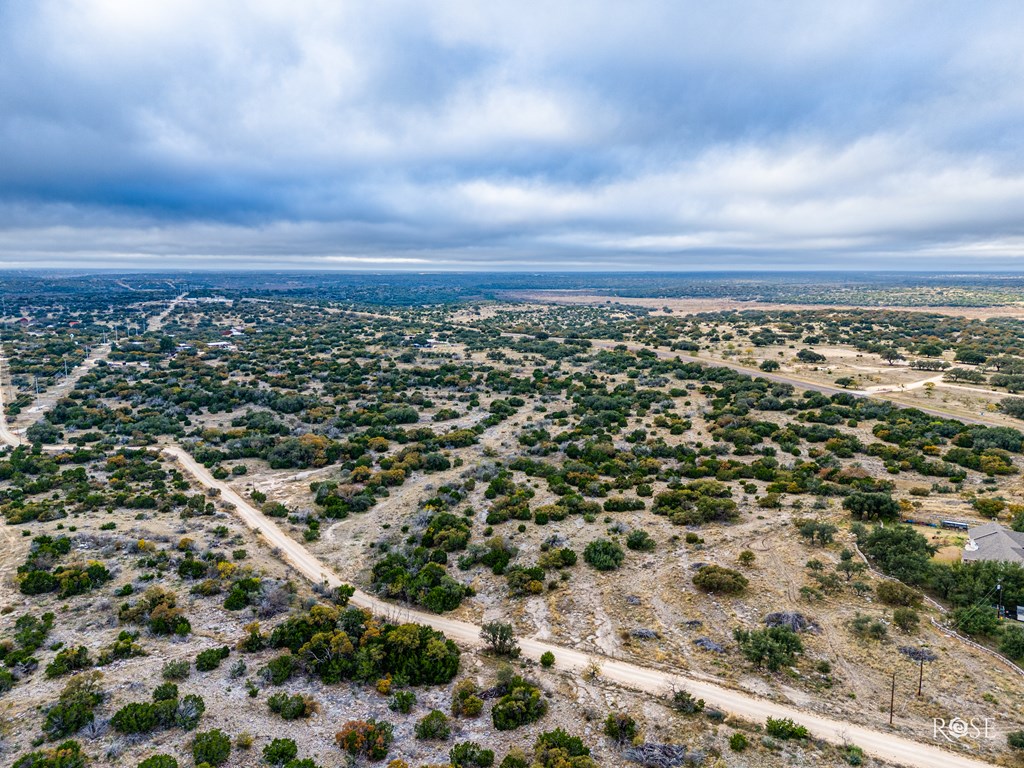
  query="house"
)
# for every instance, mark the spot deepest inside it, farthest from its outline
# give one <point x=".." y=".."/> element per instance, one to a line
<point x="993" y="542"/>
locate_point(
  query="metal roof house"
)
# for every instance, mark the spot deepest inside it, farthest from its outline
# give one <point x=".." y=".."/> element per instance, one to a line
<point x="992" y="541"/>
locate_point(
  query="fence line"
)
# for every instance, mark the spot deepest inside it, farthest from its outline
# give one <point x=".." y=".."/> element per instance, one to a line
<point x="948" y="631"/>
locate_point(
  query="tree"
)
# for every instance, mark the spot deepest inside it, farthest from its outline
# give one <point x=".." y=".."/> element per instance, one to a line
<point x="906" y="619"/>
<point x="872" y="506"/>
<point x="1012" y="406"/>
<point x="891" y="355"/>
<point x="845" y="382"/>
<point x="976" y="620"/>
<point x="894" y="593"/>
<point x="810" y="356"/>
<point x="989" y="507"/>
<point x="850" y="567"/>
<point x="500" y="638"/>
<point x="769" y="366"/>
<point x="1011" y="643"/>
<point x="899" y="551"/>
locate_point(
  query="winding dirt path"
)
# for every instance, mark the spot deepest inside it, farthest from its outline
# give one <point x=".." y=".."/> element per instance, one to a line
<point x="887" y="746"/>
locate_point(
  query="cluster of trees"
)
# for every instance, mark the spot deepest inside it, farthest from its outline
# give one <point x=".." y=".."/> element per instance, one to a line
<point x="333" y="644"/>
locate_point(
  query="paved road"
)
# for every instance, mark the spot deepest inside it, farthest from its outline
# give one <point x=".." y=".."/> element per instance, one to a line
<point x="887" y="746"/>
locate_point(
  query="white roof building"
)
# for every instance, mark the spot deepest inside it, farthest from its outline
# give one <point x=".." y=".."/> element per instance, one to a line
<point x="993" y="542"/>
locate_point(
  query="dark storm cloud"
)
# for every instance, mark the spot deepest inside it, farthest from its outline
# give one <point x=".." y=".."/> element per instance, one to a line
<point x="461" y="135"/>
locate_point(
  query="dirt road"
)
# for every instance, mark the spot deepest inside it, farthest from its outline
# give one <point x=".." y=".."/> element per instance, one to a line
<point x="887" y="746"/>
<point x="6" y="435"/>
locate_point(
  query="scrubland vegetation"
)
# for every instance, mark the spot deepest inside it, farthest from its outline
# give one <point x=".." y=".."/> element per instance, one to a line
<point x="561" y="472"/>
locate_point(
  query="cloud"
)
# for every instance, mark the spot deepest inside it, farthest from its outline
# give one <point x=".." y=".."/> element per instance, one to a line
<point x="504" y="135"/>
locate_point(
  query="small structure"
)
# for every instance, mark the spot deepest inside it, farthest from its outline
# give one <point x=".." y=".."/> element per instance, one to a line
<point x="993" y="542"/>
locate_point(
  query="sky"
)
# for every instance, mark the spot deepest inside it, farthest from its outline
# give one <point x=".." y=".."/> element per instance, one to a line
<point x="512" y="135"/>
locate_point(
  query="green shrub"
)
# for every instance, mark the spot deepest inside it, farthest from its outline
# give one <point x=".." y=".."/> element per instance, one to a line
<point x="619" y="727"/>
<point x="211" y="658"/>
<point x="640" y="541"/>
<point x="785" y="728"/>
<point x="521" y="705"/>
<point x="165" y="692"/>
<point x="213" y="747"/>
<point x="69" y="660"/>
<point x="867" y="628"/>
<point x="853" y="755"/>
<point x="402" y="701"/>
<point x="516" y="758"/>
<point x="67" y="754"/>
<point x="371" y="738"/>
<point x="176" y="670"/>
<point x="772" y="648"/>
<point x="737" y="742"/>
<point x="894" y="593"/>
<point x="465" y="701"/>
<point x="604" y="555"/>
<point x="280" y="751"/>
<point x="433" y="726"/>
<point x="906" y="619"/>
<point x="552" y="747"/>
<point x="159" y="761"/>
<point x="469" y="755"/>
<point x="715" y="578"/>
<point x="137" y="717"/>
<point x="547" y="659"/>
<point x="280" y="668"/>
<point x="685" y="703"/>
<point x="74" y="709"/>
<point x="291" y="707"/>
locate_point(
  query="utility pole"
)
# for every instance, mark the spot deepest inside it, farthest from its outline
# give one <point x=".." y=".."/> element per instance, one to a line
<point x="892" y="698"/>
<point x="999" y="598"/>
